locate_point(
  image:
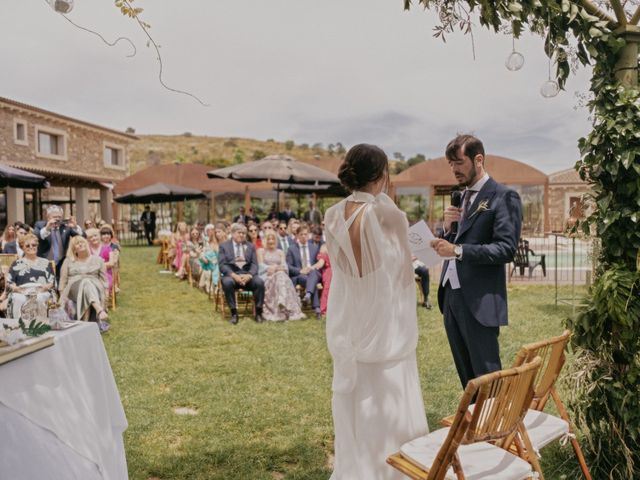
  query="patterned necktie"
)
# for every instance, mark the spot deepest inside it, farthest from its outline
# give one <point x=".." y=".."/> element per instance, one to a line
<point x="305" y="256"/>
<point x="467" y="203"/>
<point x="56" y="241"/>
<point x="240" y="260"/>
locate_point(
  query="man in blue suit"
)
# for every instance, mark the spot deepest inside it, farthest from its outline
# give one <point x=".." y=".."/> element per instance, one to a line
<point x="302" y="257"/>
<point x="473" y="294"/>
<point x="238" y="265"/>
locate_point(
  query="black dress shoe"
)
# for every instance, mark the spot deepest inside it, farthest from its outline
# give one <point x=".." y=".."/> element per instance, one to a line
<point x="318" y="316"/>
<point x="234" y="319"/>
<point x="427" y="305"/>
<point x="259" y="318"/>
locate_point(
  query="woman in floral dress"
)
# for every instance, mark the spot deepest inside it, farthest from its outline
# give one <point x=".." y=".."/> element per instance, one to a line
<point x="281" y="301"/>
<point x="209" y="260"/>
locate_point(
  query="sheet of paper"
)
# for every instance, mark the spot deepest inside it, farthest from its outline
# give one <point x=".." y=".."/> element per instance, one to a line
<point x="420" y="237"/>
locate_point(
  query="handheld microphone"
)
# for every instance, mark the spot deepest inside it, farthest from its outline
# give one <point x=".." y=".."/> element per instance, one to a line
<point x="456" y="201"/>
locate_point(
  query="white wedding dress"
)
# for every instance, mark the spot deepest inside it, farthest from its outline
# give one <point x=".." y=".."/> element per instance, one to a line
<point x="372" y="334"/>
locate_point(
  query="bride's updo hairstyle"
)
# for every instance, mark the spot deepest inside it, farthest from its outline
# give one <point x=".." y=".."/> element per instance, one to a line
<point x="363" y="165"/>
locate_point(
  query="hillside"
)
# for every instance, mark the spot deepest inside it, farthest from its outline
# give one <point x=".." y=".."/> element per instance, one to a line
<point x="221" y="152"/>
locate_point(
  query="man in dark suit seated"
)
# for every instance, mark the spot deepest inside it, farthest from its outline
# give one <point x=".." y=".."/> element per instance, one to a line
<point x="284" y="239"/>
<point x="302" y="257"/>
<point x="238" y="265"/>
<point x="481" y="238"/>
<point x="54" y="235"/>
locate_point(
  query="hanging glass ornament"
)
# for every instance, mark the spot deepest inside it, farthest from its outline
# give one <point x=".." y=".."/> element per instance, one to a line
<point x="515" y="60"/>
<point x="549" y="89"/>
<point x="61" y="6"/>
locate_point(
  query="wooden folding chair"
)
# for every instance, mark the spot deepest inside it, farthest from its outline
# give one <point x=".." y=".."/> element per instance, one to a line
<point x="163" y="254"/>
<point x="476" y="444"/>
<point x="544" y="428"/>
<point x="115" y="284"/>
<point x="245" y="302"/>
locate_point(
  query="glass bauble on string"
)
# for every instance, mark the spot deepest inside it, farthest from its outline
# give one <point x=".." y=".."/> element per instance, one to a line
<point x="549" y="89"/>
<point x="61" y="6"/>
<point x="514" y="62"/>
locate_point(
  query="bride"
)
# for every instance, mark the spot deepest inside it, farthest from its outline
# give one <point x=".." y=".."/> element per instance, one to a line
<point x="372" y="329"/>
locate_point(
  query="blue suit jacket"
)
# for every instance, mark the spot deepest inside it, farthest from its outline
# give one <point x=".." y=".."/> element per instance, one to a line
<point x="226" y="259"/>
<point x="44" y="245"/>
<point x="489" y="239"/>
<point x="294" y="257"/>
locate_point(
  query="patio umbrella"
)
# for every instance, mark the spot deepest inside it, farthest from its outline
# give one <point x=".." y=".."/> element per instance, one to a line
<point x="160" y="192"/>
<point x="17" y="178"/>
<point x="277" y="169"/>
<point x="320" y="190"/>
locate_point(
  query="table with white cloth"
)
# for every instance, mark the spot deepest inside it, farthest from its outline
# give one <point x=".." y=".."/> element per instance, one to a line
<point x="60" y="412"/>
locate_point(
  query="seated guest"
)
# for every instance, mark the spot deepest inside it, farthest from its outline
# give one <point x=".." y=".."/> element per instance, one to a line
<point x="284" y="239"/>
<point x="302" y="258"/>
<point x="109" y="251"/>
<point x="176" y="250"/>
<point x="254" y="238"/>
<point x="325" y="268"/>
<point x="292" y="227"/>
<point x="267" y="226"/>
<point x="83" y="280"/>
<point x="221" y="233"/>
<point x="88" y="224"/>
<point x="241" y="217"/>
<point x="93" y="238"/>
<point x="30" y="273"/>
<point x="209" y="260"/>
<point x="239" y="269"/>
<point x="316" y="236"/>
<point x="423" y="274"/>
<point x="281" y="301"/>
<point x="9" y="242"/>
<point x="252" y="216"/>
<point x="192" y="250"/>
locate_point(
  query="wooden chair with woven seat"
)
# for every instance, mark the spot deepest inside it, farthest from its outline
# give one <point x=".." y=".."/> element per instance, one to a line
<point x="476" y="444"/>
<point x="163" y="254"/>
<point x="245" y="303"/>
<point x="544" y="428"/>
<point x="541" y="427"/>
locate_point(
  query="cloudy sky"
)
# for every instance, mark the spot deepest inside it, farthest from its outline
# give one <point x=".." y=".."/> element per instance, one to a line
<point x="306" y="70"/>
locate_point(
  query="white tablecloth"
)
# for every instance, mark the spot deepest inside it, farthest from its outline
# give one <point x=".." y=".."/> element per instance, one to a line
<point x="60" y="412"/>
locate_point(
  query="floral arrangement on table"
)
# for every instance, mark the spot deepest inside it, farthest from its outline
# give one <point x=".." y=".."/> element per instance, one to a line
<point x="12" y="334"/>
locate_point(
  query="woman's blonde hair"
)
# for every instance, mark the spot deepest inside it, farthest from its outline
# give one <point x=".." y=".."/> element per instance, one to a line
<point x="71" y="251"/>
<point x="268" y="234"/>
<point x="28" y="236"/>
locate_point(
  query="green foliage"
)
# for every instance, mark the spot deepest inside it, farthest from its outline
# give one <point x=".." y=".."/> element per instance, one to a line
<point x="35" y="328"/>
<point x="416" y="159"/>
<point x="607" y="337"/>
<point x="238" y="156"/>
<point x="289" y="144"/>
<point x="258" y="154"/>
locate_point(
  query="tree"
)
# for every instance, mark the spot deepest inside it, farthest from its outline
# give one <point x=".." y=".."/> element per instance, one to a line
<point x="398" y="156"/>
<point x="289" y="144"/>
<point x="340" y="148"/>
<point x="258" y="154"/>
<point x="418" y="158"/>
<point x="400" y="166"/>
<point x="607" y="332"/>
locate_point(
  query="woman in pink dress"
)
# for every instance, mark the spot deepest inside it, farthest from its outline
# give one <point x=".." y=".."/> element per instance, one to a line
<point x="323" y="256"/>
<point x="109" y="251"/>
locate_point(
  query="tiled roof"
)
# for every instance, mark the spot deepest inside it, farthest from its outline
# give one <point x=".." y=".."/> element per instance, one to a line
<point x="502" y="169"/>
<point x="568" y="176"/>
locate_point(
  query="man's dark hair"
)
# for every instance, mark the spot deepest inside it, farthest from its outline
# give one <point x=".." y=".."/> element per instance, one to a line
<point x="466" y="145"/>
<point x="316" y="230"/>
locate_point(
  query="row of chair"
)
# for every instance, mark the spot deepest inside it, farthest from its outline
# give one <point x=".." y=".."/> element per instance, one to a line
<point x="500" y="425"/>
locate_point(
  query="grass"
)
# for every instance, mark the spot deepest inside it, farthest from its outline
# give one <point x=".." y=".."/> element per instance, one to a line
<point x="261" y="392"/>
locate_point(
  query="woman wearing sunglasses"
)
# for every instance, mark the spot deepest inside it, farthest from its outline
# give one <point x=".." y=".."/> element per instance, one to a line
<point x="254" y="236"/>
<point x="29" y="274"/>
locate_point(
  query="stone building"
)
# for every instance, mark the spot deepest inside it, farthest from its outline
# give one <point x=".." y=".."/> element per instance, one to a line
<point x="81" y="160"/>
<point x="568" y="194"/>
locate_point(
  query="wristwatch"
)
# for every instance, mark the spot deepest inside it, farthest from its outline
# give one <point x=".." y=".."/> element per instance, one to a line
<point x="457" y="251"/>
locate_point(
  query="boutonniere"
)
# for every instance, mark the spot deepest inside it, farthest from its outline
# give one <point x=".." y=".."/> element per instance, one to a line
<point x="483" y="206"/>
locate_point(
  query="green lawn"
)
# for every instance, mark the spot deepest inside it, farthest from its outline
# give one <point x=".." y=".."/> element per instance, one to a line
<point x="261" y="392"/>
